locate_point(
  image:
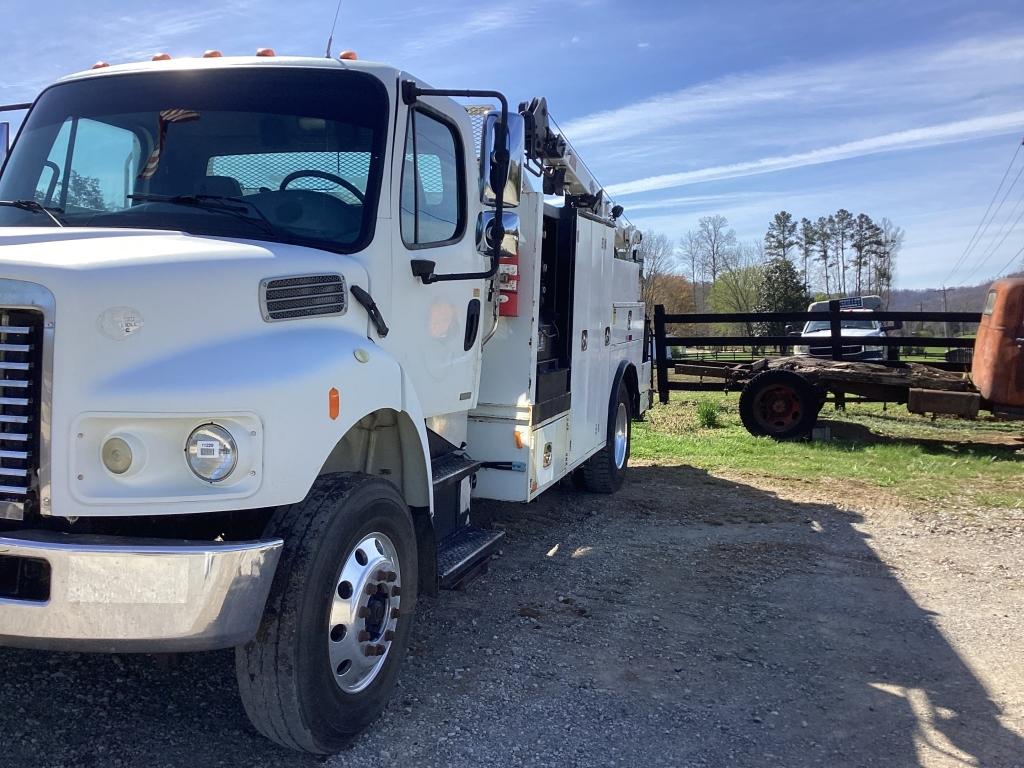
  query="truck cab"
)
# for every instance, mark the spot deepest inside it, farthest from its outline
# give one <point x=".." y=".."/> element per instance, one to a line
<point x="268" y="326"/>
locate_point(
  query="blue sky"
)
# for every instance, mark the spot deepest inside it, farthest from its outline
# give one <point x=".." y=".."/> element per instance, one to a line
<point x="910" y="110"/>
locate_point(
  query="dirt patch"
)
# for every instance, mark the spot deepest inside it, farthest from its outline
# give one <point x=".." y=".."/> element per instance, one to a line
<point x="689" y="620"/>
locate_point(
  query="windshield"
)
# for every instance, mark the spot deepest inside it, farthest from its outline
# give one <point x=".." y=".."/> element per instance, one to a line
<point x="822" y="325"/>
<point x="302" y="149"/>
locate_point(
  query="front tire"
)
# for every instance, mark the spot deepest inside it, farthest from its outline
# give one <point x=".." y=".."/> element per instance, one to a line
<point x="336" y="627"/>
<point x="604" y="471"/>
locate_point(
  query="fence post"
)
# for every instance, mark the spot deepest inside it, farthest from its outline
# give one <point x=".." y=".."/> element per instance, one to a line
<point x="835" y="324"/>
<point x="661" y="353"/>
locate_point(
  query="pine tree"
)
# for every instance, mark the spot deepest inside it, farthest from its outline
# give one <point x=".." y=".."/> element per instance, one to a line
<point x="780" y="291"/>
<point x="842" y="227"/>
<point x="823" y="239"/>
<point x="808" y="233"/>
<point x="781" y="236"/>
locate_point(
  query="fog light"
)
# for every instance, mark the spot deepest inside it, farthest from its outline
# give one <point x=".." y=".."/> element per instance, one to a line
<point x="211" y="452"/>
<point x="117" y="455"/>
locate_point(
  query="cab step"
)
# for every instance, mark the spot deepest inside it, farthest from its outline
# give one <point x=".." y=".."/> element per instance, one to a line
<point x="451" y="468"/>
<point x="465" y="555"/>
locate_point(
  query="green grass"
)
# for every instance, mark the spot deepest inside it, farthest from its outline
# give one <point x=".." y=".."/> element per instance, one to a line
<point x="974" y="463"/>
<point x="707" y="413"/>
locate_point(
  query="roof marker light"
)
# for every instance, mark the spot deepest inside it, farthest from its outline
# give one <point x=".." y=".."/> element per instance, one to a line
<point x="348" y="56"/>
<point x="100" y="65"/>
<point x="161" y="57"/>
<point x="212" y="54"/>
<point x="265" y="52"/>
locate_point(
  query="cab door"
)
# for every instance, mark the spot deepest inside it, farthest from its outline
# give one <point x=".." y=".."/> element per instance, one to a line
<point x="435" y="333"/>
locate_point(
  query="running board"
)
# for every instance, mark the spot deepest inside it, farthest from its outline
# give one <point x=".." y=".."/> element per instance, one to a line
<point x="451" y="468"/>
<point x="465" y="554"/>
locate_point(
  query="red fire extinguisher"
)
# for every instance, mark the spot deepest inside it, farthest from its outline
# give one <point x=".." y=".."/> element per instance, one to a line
<point x="508" y="285"/>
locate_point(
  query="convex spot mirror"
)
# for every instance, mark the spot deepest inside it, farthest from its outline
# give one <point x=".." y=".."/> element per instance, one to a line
<point x="485" y="234"/>
<point x="490" y="172"/>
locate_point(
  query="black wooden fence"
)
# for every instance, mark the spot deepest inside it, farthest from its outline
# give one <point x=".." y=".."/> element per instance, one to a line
<point x="835" y="315"/>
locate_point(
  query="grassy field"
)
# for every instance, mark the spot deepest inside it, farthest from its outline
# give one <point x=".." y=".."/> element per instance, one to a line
<point x="979" y="463"/>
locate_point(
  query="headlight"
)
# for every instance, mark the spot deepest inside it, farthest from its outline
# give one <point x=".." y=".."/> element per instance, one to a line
<point x="801" y="349"/>
<point x="117" y="455"/>
<point x="211" y="452"/>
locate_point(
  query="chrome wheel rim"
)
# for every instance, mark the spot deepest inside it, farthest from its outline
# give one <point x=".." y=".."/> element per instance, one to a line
<point x="621" y="435"/>
<point x="364" y="612"/>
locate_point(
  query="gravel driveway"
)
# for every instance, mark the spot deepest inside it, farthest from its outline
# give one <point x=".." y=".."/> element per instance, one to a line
<point x="690" y="620"/>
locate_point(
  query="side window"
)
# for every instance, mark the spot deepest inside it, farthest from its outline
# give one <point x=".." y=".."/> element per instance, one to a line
<point x="433" y="183"/>
<point x="104" y="160"/>
<point x="990" y="303"/>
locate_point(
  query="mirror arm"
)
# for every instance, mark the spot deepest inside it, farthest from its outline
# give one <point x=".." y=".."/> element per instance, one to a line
<point x="410" y="93"/>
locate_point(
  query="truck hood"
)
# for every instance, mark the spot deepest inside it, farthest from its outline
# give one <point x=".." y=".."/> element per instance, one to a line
<point x="846" y="332"/>
<point x="82" y="248"/>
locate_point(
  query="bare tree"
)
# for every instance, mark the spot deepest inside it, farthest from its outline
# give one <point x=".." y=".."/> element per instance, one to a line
<point x="692" y="254"/>
<point x="739" y="281"/>
<point x="659" y="259"/>
<point x="717" y="240"/>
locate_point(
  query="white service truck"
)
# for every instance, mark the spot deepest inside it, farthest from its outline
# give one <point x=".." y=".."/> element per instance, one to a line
<point x="268" y="325"/>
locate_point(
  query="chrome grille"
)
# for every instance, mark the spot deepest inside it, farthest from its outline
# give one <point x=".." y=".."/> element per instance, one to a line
<point x="290" y="298"/>
<point x="21" y="333"/>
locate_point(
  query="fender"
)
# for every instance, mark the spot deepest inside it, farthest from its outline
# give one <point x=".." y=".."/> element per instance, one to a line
<point x="625" y="371"/>
<point x="284" y="375"/>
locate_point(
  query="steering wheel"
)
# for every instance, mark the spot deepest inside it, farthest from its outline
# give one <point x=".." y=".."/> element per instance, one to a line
<point x="313" y="174"/>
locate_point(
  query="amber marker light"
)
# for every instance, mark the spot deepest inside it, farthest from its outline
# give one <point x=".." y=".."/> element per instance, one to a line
<point x="348" y="56"/>
<point x="100" y="65"/>
<point x="265" y="52"/>
<point x="161" y="57"/>
<point x="212" y="54"/>
<point x="333" y="403"/>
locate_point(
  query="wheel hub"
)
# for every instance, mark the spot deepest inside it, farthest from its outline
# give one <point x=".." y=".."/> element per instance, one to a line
<point x="364" y="612"/>
<point x="777" y="408"/>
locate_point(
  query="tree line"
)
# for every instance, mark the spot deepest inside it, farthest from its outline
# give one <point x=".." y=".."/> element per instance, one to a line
<point x="710" y="270"/>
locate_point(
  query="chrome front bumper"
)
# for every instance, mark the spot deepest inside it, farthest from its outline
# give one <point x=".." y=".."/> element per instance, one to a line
<point x="116" y="594"/>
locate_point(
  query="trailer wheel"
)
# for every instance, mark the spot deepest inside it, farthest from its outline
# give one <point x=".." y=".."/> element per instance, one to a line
<point x="779" y="404"/>
<point x="603" y="472"/>
<point x="336" y="625"/>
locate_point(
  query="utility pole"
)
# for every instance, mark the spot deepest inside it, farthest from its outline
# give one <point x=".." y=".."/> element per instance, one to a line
<point x="945" y="308"/>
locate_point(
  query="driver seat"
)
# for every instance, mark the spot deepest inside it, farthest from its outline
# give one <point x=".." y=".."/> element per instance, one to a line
<point x="219" y="186"/>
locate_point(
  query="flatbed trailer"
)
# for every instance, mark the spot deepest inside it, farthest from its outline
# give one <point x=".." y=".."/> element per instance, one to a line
<point x="782" y="397"/>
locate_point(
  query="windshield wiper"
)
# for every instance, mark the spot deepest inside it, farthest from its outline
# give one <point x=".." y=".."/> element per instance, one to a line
<point x="34" y="206"/>
<point x="218" y="204"/>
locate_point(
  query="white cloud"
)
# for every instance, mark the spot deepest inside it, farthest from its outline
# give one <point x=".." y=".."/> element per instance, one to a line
<point x="914" y="138"/>
<point x="925" y="78"/>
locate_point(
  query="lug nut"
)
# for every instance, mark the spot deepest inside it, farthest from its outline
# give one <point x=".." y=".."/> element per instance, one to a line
<point x="394" y="613"/>
<point x="371" y="589"/>
<point x="363" y="636"/>
<point x="374" y="650"/>
<point x="361" y="613"/>
<point x="381" y="575"/>
<point x="396" y="591"/>
<point x="389" y="636"/>
<point x="392" y="576"/>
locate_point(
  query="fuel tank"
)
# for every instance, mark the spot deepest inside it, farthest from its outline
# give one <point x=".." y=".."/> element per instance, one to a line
<point x="998" y="367"/>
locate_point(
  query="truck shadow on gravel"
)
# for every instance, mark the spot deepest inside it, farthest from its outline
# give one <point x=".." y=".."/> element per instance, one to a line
<point x="688" y="620"/>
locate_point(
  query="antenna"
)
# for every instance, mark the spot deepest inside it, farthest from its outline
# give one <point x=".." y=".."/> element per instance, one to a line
<point x="330" y="38"/>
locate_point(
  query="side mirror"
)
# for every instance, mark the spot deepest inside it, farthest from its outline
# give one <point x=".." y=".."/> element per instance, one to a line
<point x="895" y="326"/>
<point x="491" y="171"/>
<point x="485" y="237"/>
<point x="792" y="330"/>
<point x="5" y="141"/>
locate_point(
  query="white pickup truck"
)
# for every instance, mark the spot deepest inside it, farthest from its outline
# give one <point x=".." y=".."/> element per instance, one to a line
<point x="856" y="321"/>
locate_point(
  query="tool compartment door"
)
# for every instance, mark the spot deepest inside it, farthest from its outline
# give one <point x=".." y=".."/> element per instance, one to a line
<point x="592" y="305"/>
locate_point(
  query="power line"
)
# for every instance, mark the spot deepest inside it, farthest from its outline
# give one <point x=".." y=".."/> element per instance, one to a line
<point x="972" y="242"/>
<point x="1009" y="264"/>
<point x="994" y="247"/>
